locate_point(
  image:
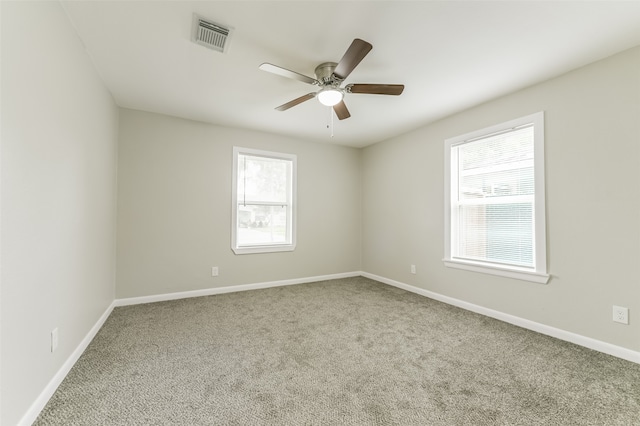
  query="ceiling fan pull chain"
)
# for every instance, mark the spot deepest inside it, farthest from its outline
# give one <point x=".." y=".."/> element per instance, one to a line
<point x="331" y="114"/>
<point x="329" y="119"/>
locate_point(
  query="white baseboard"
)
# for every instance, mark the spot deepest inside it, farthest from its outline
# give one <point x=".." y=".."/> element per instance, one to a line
<point x="46" y="394"/>
<point x="229" y="289"/>
<point x="567" y="336"/>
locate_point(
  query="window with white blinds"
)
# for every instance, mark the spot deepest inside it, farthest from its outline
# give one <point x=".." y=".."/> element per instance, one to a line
<point x="495" y="200"/>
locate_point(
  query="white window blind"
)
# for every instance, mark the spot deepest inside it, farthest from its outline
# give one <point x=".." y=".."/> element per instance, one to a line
<point x="494" y="202"/>
<point x="493" y="188"/>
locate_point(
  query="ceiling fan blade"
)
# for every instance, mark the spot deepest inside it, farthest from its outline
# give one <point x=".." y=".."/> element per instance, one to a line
<point x="283" y="72"/>
<point x="296" y="101"/>
<point x="352" y="57"/>
<point x="375" y="89"/>
<point x="341" y="110"/>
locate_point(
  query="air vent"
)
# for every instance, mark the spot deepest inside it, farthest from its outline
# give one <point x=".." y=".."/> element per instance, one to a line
<point x="211" y="35"/>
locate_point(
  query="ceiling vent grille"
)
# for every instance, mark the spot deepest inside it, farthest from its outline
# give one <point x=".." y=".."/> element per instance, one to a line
<point x="210" y="34"/>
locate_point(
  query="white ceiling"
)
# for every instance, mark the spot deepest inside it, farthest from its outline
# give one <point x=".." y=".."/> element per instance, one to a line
<point x="449" y="55"/>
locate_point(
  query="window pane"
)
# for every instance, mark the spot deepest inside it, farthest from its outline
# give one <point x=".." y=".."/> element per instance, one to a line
<point x="263" y="179"/>
<point x="492" y="226"/>
<point x="498" y="183"/>
<point x="501" y="233"/>
<point x="264" y="185"/>
<point x="262" y="225"/>
<point x="497" y="166"/>
<point x="493" y="151"/>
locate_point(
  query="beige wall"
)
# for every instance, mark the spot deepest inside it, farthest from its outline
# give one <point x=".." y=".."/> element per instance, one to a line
<point x="592" y="126"/>
<point x="174" y="208"/>
<point x="59" y="142"/>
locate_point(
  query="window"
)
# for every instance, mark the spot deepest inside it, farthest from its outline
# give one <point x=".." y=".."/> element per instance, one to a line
<point x="263" y="200"/>
<point x="494" y="200"/>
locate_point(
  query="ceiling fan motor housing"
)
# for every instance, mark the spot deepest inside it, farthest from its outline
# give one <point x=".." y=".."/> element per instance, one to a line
<point x="324" y="74"/>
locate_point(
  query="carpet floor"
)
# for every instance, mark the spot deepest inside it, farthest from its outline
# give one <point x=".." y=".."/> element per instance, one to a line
<point x="341" y="352"/>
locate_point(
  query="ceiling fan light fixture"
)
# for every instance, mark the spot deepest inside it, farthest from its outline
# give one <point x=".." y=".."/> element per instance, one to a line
<point x="330" y="96"/>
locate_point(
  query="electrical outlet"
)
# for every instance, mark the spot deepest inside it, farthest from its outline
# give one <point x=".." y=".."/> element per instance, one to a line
<point x="413" y="269"/>
<point x="214" y="271"/>
<point x="621" y="314"/>
<point x="54" y="339"/>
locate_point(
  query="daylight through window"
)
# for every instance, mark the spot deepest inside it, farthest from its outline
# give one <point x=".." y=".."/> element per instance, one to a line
<point x="263" y="201"/>
<point x="495" y="200"/>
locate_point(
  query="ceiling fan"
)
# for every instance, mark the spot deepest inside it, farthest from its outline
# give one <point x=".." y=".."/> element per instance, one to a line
<point x="330" y="76"/>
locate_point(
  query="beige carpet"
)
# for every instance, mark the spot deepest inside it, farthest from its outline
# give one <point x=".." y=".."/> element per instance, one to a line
<point x="341" y="352"/>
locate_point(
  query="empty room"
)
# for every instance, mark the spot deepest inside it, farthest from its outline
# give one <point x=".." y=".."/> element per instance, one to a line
<point x="320" y="213"/>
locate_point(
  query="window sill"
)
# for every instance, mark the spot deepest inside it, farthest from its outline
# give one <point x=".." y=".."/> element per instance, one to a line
<point x="535" y="277"/>
<point x="263" y="249"/>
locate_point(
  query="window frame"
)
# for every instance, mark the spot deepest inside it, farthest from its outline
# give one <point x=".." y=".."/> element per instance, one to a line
<point x="292" y="203"/>
<point x="537" y="273"/>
